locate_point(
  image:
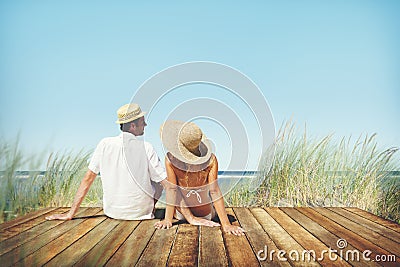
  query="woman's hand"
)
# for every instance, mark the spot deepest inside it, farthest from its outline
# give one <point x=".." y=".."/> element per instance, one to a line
<point x="233" y="229"/>
<point x="200" y="221"/>
<point x="164" y="224"/>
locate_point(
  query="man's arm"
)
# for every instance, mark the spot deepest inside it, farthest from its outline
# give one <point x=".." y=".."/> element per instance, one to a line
<point x="87" y="181"/>
<point x="170" y="188"/>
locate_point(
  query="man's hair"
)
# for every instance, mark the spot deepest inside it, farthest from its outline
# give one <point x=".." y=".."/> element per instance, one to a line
<point x="124" y="127"/>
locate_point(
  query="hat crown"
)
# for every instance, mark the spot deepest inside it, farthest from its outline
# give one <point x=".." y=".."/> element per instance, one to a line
<point x="190" y="136"/>
<point x="129" y="112"/>
<point x="128" y="109"/>
<point x="186" y="143"/>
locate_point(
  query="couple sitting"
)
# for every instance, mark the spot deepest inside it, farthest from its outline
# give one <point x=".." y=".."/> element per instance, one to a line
<point x="133" y="176"/>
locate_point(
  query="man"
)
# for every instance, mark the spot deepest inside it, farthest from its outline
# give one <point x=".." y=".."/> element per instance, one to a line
<point x="130" y="170"/>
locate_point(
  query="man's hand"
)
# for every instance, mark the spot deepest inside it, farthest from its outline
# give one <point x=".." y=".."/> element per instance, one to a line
<point x="80" y="195"/>
<point x="164" y="224"/>
<point x="233" y="229"/>
<point x="63" y="217"/>
<point x="201" y="221"/>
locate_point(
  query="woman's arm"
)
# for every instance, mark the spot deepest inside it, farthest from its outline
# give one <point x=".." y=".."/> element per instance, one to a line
<point x="218" y="200"/>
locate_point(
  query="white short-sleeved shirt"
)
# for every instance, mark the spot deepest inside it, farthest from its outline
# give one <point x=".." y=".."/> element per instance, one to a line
<point x="127" y="166"/>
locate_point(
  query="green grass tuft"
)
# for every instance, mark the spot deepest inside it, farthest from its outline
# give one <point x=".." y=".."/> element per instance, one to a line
<point x="309" y="172"/>
<point x="55" y="188"/>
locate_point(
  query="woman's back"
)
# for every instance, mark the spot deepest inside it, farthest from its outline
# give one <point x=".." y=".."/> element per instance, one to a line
<point x="193" y="184"/>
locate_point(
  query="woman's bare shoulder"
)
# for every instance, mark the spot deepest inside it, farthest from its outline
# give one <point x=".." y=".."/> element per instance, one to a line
<point x="213" y="159"/>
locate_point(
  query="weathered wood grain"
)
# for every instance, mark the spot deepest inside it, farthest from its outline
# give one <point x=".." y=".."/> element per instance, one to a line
<point x="159" y="248"/>
<point x="328" y="238"/>
<point x="128" y="254"/>
<point x="240" y="252"/>
<point x="185" y="249"/>
<point x="385" y="243"/>
<point x="93" y="239"/>
<point x="370" y="225"/>
<point x="24" y="236"/>
<point x="51" y="249"/>
<point x="282" y="239"/>
<point x="72" y="254"/>
<point x="25" y="218"/>
<point x="212" y="249"/>
<point x="258" y="238"/>
<point x="24" y="224"/>
<point x="102" y="252"/>
<point x="351" y="237"/>
<point x="305" y="239"/>
<point x="392" y="225"/>
<point x="19" y="253"/>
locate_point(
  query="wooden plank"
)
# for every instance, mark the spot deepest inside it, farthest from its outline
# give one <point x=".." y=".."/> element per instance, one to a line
<point x="128" y="254"/>
<point x="50" y="250"/>
<point x="389" y="224"/>
<point x="280" y="237"/>
<point x="212" y="250"/>
<point x="23" y="237"/>
<point x="258" y="238"/>
<point x="102" y="252"/>
<point x="305" y="239"/>
<point x="352" y="238"/>
<point x="81" y="241"/>
<point x="25" y="218"/>
<point x="375" y="238"/>
<point x="382" y="230"/>
<point x="78" y="249"/>
<point x="328" y="238"/>
<point x="240" y="252"/>
<point x="27" y="248"/>
<point x="160" y="244"/>
<point x="185" y="249"/>
<point x="21" y="227"/>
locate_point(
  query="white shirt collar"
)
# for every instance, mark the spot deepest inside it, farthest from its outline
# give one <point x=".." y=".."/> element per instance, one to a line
<point x="127" y="135"/>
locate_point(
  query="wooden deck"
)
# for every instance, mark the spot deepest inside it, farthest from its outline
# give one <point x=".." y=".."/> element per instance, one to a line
<point x="273" y="235"/>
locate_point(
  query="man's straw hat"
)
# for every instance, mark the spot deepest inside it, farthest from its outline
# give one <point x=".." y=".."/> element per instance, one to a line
<point x="186" y="142"/>
<point x="128" y="113"/>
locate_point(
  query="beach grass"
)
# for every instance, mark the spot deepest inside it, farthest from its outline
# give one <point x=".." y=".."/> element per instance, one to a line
<point x="56" y="187"/>
<point x="306" y="172"/>
<point x="312" y="172"/>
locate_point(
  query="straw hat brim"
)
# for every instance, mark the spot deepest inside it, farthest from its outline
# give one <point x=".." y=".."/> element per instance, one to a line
<point x="122" y="121"/>
<point x="169" y="132"/>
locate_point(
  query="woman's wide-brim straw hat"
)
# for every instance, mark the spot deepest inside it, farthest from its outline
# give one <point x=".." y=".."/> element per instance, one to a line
<point x="186" y="142"/>
<point x="128" y="113"/>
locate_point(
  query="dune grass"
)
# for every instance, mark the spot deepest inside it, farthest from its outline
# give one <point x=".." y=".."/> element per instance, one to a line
<point x="20" y="194"/>
<point x="306" y="171"/>
<point x="312" y="172"/>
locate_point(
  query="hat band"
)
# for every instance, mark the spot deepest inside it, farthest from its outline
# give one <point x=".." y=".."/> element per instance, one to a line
<point x="128" y="116"/>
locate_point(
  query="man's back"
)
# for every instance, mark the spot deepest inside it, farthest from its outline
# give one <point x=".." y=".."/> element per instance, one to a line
<point x="130" y="171"/>
<point x="123" y="162"/>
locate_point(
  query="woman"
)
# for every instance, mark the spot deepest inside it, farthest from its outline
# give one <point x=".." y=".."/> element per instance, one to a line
<point x="192" y="173"/>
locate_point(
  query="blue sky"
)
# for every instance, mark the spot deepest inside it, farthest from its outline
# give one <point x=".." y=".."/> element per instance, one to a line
<point x="66" y="66"/>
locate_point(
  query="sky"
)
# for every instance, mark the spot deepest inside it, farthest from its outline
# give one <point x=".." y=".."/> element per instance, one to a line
<point x="67" y="66"/>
